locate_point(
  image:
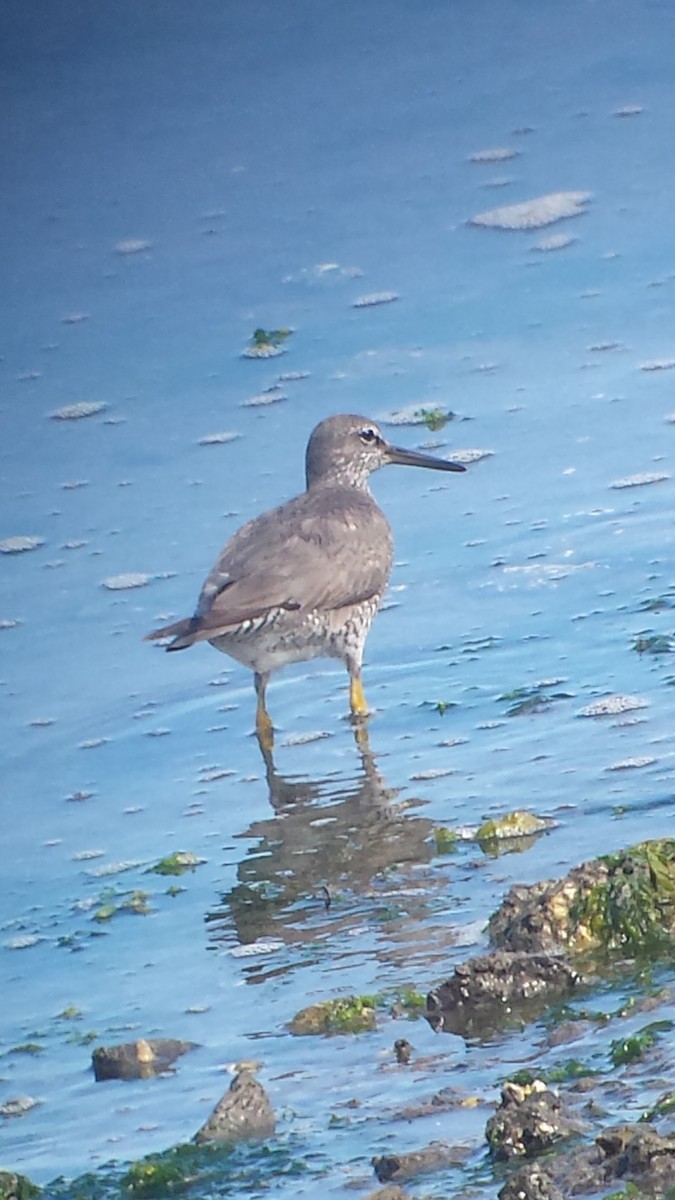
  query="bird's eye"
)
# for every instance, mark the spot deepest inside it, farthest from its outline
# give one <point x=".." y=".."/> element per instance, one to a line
<point x="369" y="435"/>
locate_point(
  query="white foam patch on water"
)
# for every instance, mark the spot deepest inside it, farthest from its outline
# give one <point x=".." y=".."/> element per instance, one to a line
<point x="536" y="213"/>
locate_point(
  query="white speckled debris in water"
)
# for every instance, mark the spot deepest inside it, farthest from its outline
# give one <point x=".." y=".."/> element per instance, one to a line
<point x="305" y="739"/>
<point x="631" y="481"/>
<point x="76" y="412"/>
<point x="218" y="439"/>
<point x="555" y="241"/>
<point x="613" y="706"/>
<point x="132" y="246"/>
<point x="113" y="868"/>
<point x="120" y="583"/>
<point x="272" y="396"/>
<point x="19" y="545"/>
<point x="292" y="376"/>
<point x="658" y="364"/>
<point x="374" y="298"/>
<point x="264" y="350"/>
<point x="18" y="1107"/>
<point x="469" y="456"/>
<point x="535" y="214"/>
<point x="498" y="154"/>
<point x="631" y="764"/>
<point x="22" y="941"/>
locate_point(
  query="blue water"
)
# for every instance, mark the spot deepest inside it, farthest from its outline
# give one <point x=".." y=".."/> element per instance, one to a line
<point x="275" y="163"/>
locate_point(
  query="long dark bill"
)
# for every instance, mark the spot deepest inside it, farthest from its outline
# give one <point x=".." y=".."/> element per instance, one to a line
<point x="413" y="458"/>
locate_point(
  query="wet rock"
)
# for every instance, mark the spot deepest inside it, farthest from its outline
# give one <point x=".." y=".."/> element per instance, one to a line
<point x="529" y="1121"/>
<point x="640" y="1155"/>
<point x="531" y="1182"/>
<point x="243" y="1113"/>
<point x="137" y="1060"/>
<point x="623" y="901"/>
<point x="16" y="1187"/>
<point x="491" y="990"/>
<point x="348" y="1014"/>
<point x="433" y="1157"/>
<point x="517" y="824"/>
<point x="402" y="1050"/>
<point x="631" y="1154"/>
<point x="447" y="1100"/>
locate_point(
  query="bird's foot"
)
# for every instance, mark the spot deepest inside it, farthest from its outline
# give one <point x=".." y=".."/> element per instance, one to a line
<point x="357" y="699"/>
<point x="264" y="730"/>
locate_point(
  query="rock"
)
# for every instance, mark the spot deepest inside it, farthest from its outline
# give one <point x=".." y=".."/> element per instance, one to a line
<point x="491" y="990"/>
<point x="348" y="1014"/>
<point x="622" y="901"/>
<point x="531" y="1182"/>
<point x="402" y="1050"/>
<point x="433" y="1157"/>
<point x="137" y="1060"/>
<point x="16" y="1187"/>
<point x="243" y="1113"/>
<point x="529" y="1121"/>
<point x="633" y="1154"/>
<point x="641" y="1155"/>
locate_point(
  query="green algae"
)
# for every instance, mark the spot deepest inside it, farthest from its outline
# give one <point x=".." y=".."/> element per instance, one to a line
<point x="632" y="909"/>
<point x="176" y="863"/>
<point x="16" y="1187"/>
<point x="435" y="419"/>
<point x="113" y="904"/>
<point x="517" y="824"/>
<point x="631" y="1049"/>
<point x="348" y="1014"/>
<point x="537" y="698"/>
<point x="445" y="839"/>
<point x="654" y="643"/>
<point x="662" y="1107"/>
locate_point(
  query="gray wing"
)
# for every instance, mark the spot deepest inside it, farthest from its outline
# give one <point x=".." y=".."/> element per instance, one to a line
<point x="319" y="551"/>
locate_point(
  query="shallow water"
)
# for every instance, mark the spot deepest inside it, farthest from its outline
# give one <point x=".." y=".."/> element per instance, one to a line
<point x="177" y="180"/>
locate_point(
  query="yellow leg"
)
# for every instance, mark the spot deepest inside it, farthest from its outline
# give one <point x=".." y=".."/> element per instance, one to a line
<point x="263" y="723"/>
<point x="357" y="699"/>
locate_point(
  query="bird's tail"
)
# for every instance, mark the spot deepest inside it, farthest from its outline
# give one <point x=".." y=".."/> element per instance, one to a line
<point x="184" y="633"/>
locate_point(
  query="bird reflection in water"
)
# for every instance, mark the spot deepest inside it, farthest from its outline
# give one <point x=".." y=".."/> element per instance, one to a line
<point x="337" y="850"/>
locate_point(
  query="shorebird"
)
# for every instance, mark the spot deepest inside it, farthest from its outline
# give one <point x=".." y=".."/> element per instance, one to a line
<point x="305" y="580"/>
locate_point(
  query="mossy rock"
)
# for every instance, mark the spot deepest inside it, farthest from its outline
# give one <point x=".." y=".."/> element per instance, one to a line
<point x="16" y="1187"/>
<point x="619" y="903"/>
<point x="519" y="823"/>
<point x="350" y="1014"/>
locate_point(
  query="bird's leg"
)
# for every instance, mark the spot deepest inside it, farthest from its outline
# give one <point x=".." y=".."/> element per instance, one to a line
<point x="263" y="724"/>
<point x="357" y="698"/>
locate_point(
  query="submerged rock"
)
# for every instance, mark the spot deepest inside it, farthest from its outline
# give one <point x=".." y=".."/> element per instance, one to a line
<point x="491" y="990"/>
<point x="243" y="1113"/>
<point x="348" y="1014"/>
<point x="138" y="1060"/>
<point x="433" y="1157"/>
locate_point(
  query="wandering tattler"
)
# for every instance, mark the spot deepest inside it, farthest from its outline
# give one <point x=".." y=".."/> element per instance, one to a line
<point x="305" y="580"/>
